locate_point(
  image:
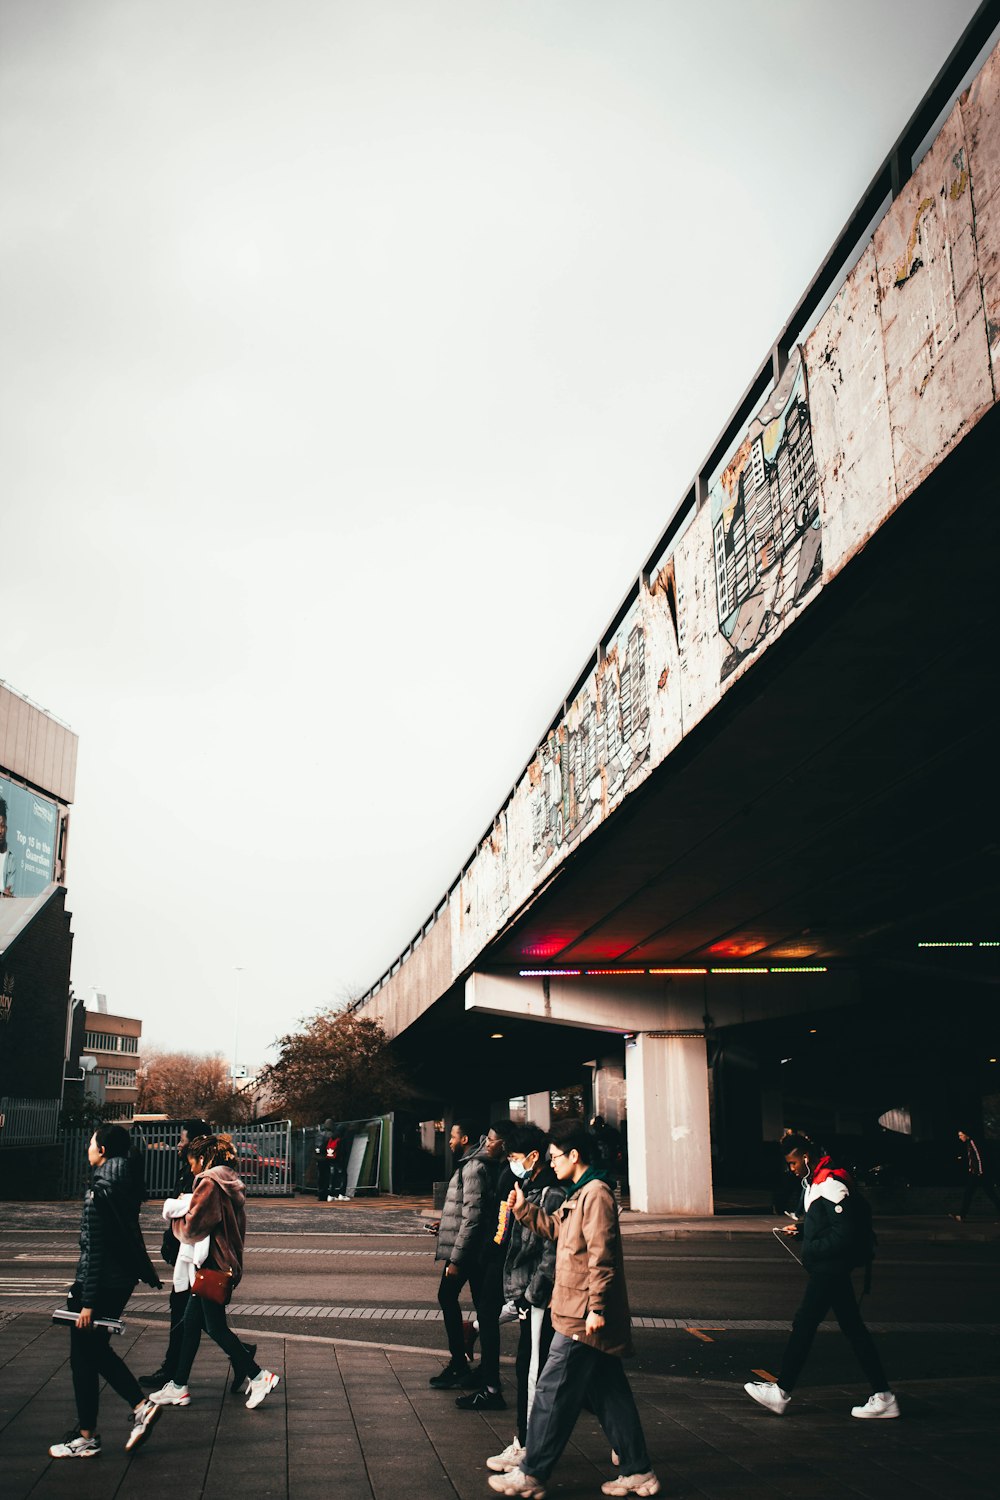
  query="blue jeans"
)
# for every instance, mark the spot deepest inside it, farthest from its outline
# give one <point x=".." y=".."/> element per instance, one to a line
<point x="576" y="1375"/>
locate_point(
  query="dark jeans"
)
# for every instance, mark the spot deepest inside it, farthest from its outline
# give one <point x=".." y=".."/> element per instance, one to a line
<point x="486" y="1285"/>
<point x="323" y="1189"/>
<point x="91" y="1358"/>
<point x="202" y="1313"/>
<point x="178" y="1303"/>
<point x="574" y="1375"/>
<point x="338" y="1178"/>
<point x="826" y="1290"/>
<point x="532" y="1332"/>
<point x="975" y="1185"/>
<point x="449" y="1292"/>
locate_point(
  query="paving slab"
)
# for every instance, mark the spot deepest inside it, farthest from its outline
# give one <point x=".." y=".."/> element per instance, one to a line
<point x="360" y="1421"/>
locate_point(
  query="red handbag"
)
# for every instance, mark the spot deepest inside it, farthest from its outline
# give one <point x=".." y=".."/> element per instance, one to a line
<point x="214" y="1286"/>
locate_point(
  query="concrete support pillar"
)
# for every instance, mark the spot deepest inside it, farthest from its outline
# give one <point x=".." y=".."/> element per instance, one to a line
<point x="540" y="1110"/>
<point x="609" y="1091"/>
<point x="669" y="1131"/>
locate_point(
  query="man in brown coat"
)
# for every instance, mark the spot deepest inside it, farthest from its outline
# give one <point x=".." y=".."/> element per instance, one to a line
<point x="592" y="1325"/>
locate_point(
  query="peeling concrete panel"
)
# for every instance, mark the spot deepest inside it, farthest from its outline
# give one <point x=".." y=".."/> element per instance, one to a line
<point x="848" y="398"/>
<point x="980" y="107"/>
<point x="937" y="358"/>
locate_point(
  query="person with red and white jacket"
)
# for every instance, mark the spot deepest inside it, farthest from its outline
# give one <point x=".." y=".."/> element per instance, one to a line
<point x="836" y="1237"/>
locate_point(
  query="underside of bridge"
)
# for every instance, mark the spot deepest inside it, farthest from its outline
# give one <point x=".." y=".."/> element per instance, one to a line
<point x="837" y="809"/>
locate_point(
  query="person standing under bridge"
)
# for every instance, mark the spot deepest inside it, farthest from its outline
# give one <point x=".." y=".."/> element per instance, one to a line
<point x="977" y="1178"/>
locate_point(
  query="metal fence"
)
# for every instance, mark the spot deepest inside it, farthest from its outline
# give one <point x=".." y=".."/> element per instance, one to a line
<point x="29" y="1122"/>
<point x="264" y="1157"/>
<point x="369" y="1165"/>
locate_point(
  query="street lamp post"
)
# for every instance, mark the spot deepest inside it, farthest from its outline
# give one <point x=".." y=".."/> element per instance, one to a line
<point x="236" y="1027"/>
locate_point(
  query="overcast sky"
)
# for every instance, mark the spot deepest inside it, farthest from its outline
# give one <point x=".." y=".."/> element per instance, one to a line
<point x="355" y="355"/>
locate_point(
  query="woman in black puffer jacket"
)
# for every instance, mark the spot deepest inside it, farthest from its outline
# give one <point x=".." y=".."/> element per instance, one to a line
<point x="112" y="1259"/>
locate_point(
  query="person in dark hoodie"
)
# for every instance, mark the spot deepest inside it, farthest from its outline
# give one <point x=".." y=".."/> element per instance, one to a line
<point x="215" y="1225"/>
<point x="590" y="1315"/>
<point x="112" y="1259"/>
<point x="528" y="1274"/>
<point x="836" y="1237"/>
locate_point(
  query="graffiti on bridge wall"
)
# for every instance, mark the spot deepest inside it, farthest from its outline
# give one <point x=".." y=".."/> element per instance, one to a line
<point x="591" y="758"/>
<point x="765" y="520"/>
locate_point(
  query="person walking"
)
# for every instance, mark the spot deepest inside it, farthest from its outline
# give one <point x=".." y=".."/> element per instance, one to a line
<point x="590" y="1316"/>
<point x="486" y="1278"/>
<point x="459" y="1241"/>
<point x="180" y="1291"/>
<point x="529" y="1271"/>
<point x="112" y="1259"/>
<point x="836" y="1237"/>
<point x="215" y="1225"/>
<point x="977" y="1177"/>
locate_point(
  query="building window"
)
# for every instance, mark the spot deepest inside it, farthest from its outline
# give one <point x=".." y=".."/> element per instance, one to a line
<point x="118" y="1078"/>
<point x="104" y="1041"/>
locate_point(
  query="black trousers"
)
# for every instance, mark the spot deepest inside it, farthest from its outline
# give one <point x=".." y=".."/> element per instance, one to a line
<point x="178" y="1303"/>
<point x="323" y="1178"/>
<point x="534" y="1339"/>
<point x="485" y="1282"/>
<point x="975" y="1185"/>
<point x="201" y="1313"/>
<point x="826" y="1291"/>
<point x="576" y="1375"/>
<point x="91" y="1359"/>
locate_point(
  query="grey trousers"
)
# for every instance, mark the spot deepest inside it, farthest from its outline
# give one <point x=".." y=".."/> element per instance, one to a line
<point x="575" y="1376"/>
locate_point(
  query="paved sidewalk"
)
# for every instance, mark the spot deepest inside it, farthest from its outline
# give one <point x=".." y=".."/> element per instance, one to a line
<point x="357" y="1420"/>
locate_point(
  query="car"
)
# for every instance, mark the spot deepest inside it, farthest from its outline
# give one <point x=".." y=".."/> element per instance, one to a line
<point x="258" y="1170"/>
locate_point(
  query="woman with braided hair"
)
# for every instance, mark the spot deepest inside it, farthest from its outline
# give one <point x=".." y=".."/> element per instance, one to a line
<point x="214" y="1225"/>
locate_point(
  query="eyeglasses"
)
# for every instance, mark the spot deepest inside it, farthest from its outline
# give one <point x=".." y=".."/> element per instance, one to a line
<point x="555" y="1155"/>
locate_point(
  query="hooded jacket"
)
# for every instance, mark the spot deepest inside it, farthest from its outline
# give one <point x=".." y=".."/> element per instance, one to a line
<point x="589" y="1271"/>
<point x="836" y="1229"/>
<point x="467" y="1208"/>
<point x="218" y="1209"/>
<point x="530" y="1267"/>
<point x="112" y="1253"/>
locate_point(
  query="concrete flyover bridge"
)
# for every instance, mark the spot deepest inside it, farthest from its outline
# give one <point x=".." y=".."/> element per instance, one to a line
<point x="774" y="781"/>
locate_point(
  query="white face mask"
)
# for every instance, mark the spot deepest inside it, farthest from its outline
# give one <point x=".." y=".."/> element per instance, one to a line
<point x="518" y="1168"/>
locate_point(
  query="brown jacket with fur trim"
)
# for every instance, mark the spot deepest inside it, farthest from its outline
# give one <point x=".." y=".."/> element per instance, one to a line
<point x="218" y="1209"/>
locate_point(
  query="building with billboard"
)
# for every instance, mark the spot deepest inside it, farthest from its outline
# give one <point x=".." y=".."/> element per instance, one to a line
<point x="37" y="785"/>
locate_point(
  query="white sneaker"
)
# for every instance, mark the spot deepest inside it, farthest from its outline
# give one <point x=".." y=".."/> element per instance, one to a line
<point x="171" y="1394"/>
<point x="74" y="1445"/>
<point x="768" y="1394"/>
<point x="142" y="1420"/>
<point x="882" y="1404"/>
<point x="632" y="1484"/>
<point x="510" y="1458"/>
<point x="260" y="1386"/>
<point x="517" y="1482"/>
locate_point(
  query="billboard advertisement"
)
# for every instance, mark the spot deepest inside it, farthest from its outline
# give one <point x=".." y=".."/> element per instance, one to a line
<point x="29" y="826"/>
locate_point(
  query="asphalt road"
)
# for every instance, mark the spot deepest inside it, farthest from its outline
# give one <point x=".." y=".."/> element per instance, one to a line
<point x="934" y="1305"/>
